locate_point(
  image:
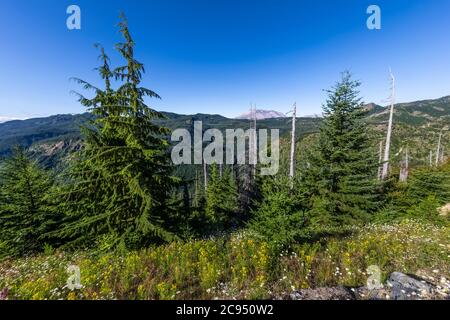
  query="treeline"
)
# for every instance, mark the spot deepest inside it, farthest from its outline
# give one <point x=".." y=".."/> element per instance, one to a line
<point x="119" y="192"/>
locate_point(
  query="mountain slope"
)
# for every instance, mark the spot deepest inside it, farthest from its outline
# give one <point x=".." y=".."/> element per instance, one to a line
<point x="28" y="132"/>
<point x="418" y="113"/>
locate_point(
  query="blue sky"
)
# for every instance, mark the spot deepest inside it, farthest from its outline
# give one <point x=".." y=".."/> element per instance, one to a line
<point x="217" y="56"/>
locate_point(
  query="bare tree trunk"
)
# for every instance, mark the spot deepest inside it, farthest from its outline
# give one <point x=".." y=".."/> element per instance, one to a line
<point x="387" y="150"/>
<point x="431" y="158"/>
<point x="438" y="152"/>
<point x="252" y="153"/>
<point x="407" y="158"/>
<point x="196" y="187"/>
<point x="404" y="170"/>
<point x="292" y="161"/>
<point x="255" y="144"/>
<point x="205" y="174"/>
<point x="380" y="160"/>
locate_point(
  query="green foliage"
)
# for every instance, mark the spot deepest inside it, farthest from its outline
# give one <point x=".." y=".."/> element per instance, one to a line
<point x="427" y="189"/>
<point x="425" y="182"/>
<point x="221" y="197"/>
<point x="340" y="175"/>
<point x="26" y="205"/>
<point x="426" y="210"/>
<point x="186" y="215"/>
<point x="121" y="180"/>
<point x="278" y="219"/>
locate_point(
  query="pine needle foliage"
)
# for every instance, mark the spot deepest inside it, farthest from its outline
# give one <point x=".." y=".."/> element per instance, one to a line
<point x="122" y="178"/>
<point x="341" y="177"/>
<point x="26" y="213"/>
<point x="279" y="218"/>
<point x="424" y="184"/>
<point x="221" y="198"/>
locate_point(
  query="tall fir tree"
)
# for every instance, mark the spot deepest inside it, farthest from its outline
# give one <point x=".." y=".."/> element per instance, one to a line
<point x="121" y="180"/>
<point x="221" y="198"/>
<point x="340" y="179"/>
<point x="26" y="206"/>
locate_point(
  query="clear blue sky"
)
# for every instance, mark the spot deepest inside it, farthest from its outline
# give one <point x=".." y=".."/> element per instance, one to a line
<point x="217" y="56"/>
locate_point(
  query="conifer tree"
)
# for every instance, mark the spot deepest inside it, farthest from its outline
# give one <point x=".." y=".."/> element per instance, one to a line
<point x="341" y="178"/>
<point x="221" y="197"/>
<point x="426" y="182"/>
<point x="279" y="218"/>
<point x="121" y="180"/>
<point x="427" y="190"/>
<point x="26" y="213"/>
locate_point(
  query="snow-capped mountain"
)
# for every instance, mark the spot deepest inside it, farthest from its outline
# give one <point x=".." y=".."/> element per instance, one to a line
<point x="262" y="114"/>
<point x="6" y="119"/>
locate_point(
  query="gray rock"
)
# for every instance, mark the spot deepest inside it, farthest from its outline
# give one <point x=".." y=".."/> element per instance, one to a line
<point x="398" y="287"/>
<point x="365" y="293"/>
<point x="335" y="293"/>
<point x="404" y="287"/>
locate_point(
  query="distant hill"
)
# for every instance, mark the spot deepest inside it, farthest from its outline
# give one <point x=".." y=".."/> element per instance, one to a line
<point x="28" y="132"/>
<point x="53" y="138"/>
<point x="416" y="126"/>
<point x="418" y="113"/>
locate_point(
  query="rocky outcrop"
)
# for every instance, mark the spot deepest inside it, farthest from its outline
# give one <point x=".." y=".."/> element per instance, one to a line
<point x="338" y="293"/>
<point x="404" y="287"/>
<point x="399" y="286"/>
<point x="57" y="147"/>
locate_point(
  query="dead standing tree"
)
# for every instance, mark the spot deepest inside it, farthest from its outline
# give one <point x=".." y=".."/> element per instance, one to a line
<point x="438" y="151"/>
<point x="442" y="155"/>
<point x="380" y="160"/>
<point x="246" y="173"/>
<point x="254" y="149"/>
<point x="292" y="159"/>
<point x="387" y="150"/>
<point x="205" y="176"/>
<point x="404" y="168"/>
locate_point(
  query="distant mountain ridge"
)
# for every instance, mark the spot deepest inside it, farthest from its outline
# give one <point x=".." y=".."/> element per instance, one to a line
<point x="417" y="122"/>
<point x="420" y="113"/>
